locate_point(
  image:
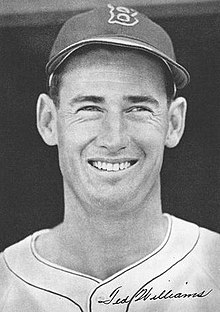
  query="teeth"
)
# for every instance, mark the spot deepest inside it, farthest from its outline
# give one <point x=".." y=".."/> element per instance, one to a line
<point x="122" y="166"/>
<point x="104" y="166"/>
<point x="116" y="167"/>
<point x="110" y="166"/>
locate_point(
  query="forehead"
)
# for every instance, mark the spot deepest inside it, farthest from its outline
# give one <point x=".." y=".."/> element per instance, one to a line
<point x="113" y="75"/>
<point x="119" y="60"/>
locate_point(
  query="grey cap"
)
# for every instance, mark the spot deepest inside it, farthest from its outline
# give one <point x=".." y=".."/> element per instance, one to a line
<point x="119" y="26"/>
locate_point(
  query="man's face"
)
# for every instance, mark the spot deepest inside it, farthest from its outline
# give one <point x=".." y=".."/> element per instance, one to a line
<point x="112" y="125"/>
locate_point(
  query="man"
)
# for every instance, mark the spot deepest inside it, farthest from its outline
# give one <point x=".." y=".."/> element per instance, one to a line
<point x="111" y="110"/>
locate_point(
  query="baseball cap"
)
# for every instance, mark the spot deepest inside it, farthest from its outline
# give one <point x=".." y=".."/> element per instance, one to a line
<point x="117" y="26"/>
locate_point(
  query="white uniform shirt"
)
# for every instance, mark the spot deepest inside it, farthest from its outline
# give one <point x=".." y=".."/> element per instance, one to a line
<point x="182" y="274"/>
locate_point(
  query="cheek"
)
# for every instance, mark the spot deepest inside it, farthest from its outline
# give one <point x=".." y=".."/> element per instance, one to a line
<point x="73" y="141"/>
<point x="151" y="134"/>
<point x="76" y="133"/>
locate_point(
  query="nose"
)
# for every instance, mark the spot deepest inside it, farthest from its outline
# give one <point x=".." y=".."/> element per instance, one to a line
<point x="113" y="133"/>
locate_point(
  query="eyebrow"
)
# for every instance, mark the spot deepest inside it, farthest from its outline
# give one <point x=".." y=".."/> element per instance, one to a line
<point x="99" y="99"/>
<point x="140" y="99"/>
<point x="87" y="98"/>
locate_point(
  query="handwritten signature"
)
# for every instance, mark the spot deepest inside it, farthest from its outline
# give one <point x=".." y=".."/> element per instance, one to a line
<point x="144" y="294"/>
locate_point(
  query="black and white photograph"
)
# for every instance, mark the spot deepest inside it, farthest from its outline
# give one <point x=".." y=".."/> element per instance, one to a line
<point x="109" y="156"/>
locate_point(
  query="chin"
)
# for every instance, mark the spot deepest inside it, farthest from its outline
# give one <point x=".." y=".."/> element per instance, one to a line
<point x="112" y="198"/>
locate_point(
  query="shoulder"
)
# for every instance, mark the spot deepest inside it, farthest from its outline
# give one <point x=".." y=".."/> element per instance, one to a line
<point x="205" y="238"/>
<point x="206" y="250"/>
<point x="11" y="257"/>
<point x="15" y="261"/>
<point x="209" y="239"/>
<point x="6" y="280"/>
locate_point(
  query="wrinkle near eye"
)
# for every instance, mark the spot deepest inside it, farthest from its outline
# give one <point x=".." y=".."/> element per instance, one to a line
<point x="157" y="121"/>
<point x="70" y="116"/>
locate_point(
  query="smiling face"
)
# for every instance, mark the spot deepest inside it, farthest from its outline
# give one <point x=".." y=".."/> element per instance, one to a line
<point x="111" y="127"/>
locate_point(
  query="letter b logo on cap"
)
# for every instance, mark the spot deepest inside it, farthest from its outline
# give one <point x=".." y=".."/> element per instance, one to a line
<point x="123" y="16"/>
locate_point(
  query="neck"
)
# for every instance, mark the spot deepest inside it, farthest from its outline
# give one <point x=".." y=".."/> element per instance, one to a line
<point x="100" y="244"/>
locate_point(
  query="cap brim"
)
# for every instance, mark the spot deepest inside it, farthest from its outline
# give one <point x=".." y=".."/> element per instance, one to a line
<point x="180" y="75"/>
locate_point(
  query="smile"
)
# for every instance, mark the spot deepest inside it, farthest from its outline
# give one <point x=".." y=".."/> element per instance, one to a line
<point x="109" y="166"/>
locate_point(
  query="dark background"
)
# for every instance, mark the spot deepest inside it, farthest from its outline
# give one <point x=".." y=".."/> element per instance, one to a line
<point x="30" y="182"/>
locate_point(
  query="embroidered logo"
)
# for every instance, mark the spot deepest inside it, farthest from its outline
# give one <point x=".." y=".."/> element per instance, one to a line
<point x="123" y="16"/>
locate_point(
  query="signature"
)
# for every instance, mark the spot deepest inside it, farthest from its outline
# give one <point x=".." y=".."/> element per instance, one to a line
<point x="144" y="294"/>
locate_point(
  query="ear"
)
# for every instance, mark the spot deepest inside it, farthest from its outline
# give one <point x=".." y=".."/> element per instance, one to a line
<point x="177" y="116"/>
<point x="47" y="119"/>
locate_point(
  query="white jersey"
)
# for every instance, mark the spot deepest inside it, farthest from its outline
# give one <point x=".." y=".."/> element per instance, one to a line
<point x="182" y="274"/>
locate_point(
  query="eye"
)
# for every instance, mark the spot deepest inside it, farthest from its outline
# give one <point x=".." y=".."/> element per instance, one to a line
<point x="90" y="108"/>
<point x="136" y="109"/>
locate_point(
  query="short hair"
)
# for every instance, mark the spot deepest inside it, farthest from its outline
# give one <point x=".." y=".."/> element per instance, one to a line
<point x="55" y="82"/>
